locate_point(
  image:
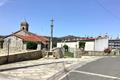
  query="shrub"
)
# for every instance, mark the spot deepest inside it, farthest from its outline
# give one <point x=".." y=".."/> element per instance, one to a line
<point x="107" y="50"/>
<point x="81" y="44"/>
<point x="31" y="45"/>
<point x="66" y="48"/>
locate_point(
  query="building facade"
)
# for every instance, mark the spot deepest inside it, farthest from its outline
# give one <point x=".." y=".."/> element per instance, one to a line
<point x="18" y="40"/>
<point x="101" y="43"/>
<point x="114" y="44"/>
<point x="74" y="44"/>
<point x="91" y="44"/>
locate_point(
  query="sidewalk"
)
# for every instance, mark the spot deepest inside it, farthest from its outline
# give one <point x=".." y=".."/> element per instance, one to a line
<point x="42" y="69"/>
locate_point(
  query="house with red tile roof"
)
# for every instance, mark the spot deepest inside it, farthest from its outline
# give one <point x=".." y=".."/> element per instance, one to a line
<point x="18" y="41"/>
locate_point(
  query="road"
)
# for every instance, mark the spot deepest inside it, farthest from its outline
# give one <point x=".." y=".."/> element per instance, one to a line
<point x="40" y="69"/>
<point x="107" y="68"/>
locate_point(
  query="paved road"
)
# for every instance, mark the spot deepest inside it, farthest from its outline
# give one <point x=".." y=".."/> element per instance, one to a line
<point x="107" y="68"/>
<point x="41" y="69"/>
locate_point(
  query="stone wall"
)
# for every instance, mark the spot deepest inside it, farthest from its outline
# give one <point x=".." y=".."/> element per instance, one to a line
<point x="100" y="53"/>
<point x="21" y="57"/>
<point x="93" y="53"/>
<point x="15" y="44"/>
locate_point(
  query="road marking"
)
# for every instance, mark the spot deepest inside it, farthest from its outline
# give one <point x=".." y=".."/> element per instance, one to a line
<point x="89" y="73"/>
<point x="95" y="74"/>
<point x="64" y="75"/>
<point x="84" y="63"/>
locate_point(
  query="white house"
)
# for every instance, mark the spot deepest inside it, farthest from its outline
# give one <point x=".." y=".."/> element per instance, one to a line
<point x="75" y="44"/>
<point x="90" y="46"/>
<point x="72" y="45"/>
<point x="101" y="43"/>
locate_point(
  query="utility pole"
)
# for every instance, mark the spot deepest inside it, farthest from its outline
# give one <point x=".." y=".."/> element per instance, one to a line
<point x="51" y="38"/>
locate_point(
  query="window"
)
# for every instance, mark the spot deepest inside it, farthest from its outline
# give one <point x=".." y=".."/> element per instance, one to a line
<point x="23" y="28"/>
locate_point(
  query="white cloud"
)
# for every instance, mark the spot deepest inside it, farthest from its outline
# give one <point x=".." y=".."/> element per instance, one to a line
<point x="3" y="2"/>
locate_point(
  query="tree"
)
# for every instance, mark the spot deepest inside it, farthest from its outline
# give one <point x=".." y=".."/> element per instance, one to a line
<point x="66" y="48"/>
<point x="81" y="44"/>
<point x="31" y="45"/>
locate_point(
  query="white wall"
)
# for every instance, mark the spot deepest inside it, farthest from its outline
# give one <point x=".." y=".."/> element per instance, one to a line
<point x="101" y="44"/>
<point x="89" y="46"/>
<point x="38" y="46"/>
<point x="98" y="45"/>
<point x="70" y="44"/>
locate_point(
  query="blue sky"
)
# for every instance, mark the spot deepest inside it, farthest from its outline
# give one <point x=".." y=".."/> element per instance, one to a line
<point x="72" y="17"/>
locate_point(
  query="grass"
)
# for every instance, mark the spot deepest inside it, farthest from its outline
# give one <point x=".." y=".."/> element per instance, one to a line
<point x="68" y="55"/>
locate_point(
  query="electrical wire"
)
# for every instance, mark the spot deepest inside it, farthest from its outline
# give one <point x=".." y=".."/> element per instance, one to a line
<point x="107" y="10"/>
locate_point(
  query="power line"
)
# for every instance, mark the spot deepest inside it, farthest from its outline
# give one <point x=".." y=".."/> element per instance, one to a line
<point x="107" y="10"/>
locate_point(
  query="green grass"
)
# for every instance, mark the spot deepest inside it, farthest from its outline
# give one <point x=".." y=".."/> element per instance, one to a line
<point x="68" y="55"/>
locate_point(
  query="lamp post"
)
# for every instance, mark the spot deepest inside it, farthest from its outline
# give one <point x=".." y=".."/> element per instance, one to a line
<point x="51" y="38"/>
<point x="8" y="50"/>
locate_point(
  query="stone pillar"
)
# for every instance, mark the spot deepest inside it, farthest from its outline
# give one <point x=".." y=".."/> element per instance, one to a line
<point x="78" y="53"/>
<point x="75" y="52"/>
<point x="39" y="47"/>
<point x="63" y="50"/>
<point x="58" y="53"/>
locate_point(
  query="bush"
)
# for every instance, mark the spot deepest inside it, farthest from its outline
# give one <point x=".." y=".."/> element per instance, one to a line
<point x="107" y="50"/>
<point x="66" y="48"/>
<point x="31" y="45"/>
<point x="81" y="44"/>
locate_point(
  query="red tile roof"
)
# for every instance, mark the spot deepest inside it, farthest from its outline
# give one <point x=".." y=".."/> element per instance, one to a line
<point x="88" y="39"/>
<point x="33" y="38"/>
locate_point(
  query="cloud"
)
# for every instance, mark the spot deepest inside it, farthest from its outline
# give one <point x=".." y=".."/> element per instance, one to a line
<point x="3" y="2"/>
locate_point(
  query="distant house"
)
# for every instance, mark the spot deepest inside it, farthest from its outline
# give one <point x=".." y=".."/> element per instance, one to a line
<point x="99" y="44"/>
<point x="18" y="40"/>
<point x="73" y="43"/>
<point x="114" y="44"/>
<point x="91" y="44"/>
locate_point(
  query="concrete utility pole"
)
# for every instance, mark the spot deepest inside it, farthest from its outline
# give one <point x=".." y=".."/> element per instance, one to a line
<point x="51" y="38"/>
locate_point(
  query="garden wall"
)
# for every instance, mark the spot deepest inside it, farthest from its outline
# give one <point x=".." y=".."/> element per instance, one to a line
<point x="20" y="57"/>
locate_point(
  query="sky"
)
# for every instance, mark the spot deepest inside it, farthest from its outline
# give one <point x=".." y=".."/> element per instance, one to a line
<point x="71" y="17"/>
